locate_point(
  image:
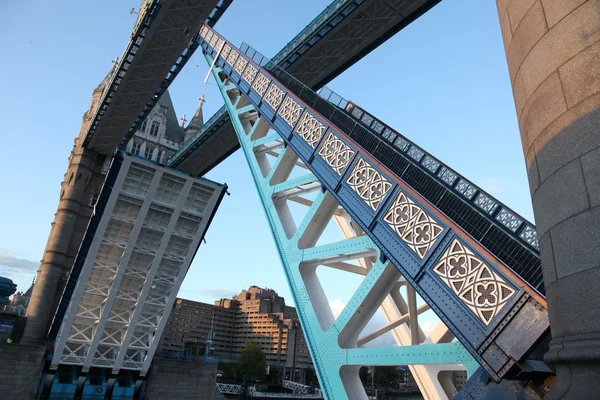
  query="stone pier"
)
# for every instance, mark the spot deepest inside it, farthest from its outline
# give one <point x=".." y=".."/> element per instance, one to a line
<point x="553" y="52"/>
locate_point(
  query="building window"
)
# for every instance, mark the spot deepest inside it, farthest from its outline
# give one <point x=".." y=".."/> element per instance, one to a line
<point x="135" y="149"/>
<point x="148" y="153"/>
<point x="159" y="155"/>
<point x="154" y="128"/>
<point x="144" y="124"/>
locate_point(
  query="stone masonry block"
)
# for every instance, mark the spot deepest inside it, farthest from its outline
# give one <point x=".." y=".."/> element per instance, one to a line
<point x="567" y="38"/>
<point x="578" y="138"/>
<point x="556" y="10"/>
<point x="542" y="108"/>
<point x="549" y="202"/>
<point x="576" y="243"/>
<point x="531" y="29"/>
<point x="516" y="10"/>
<point x="580" y="75"/>
<point x="590" y="163"/>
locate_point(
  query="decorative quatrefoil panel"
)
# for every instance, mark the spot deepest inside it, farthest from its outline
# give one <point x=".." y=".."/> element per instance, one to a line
<point x="336" y="153"/>
<point x="274" y="96"/>
<point x="260" y="84"/>
<point x="476" y="284"/>
<point x="414" y="226"/>
<point x="290" y="111"/>
<point x="310" y="129"/>
<point x="370" y="185"/>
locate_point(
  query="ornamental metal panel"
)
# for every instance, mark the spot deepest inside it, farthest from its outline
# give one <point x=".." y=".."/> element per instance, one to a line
<point x="132" y="263"/>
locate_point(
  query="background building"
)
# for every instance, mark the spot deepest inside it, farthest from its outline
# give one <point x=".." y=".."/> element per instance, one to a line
<point x="19" y="302"/>
<point x="257" y="315"/>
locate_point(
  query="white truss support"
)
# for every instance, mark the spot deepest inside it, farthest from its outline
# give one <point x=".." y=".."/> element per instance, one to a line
<point x="364" y="303"/>
<point x="441" y="334"/>
<point x="116" y="313"/>
<point x="170" y="300"/>
<point x="285" y="164"/>
<point x="298" y="163"/>
<point x="297" y="191"/>
<point x="344" y="266"/>
<point x="395" y="308"/>
<point x="278" y="144"/>
<point x="116" y="282"/>
<point x="416" y="335"/>
<point x="67" y="324"/>
<point x="392" y="325"/>
<point x="326" y="207"/>
<point x="160" y="251"/>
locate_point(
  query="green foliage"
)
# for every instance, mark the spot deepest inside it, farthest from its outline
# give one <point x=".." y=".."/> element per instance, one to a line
<point x="253" y="363"/>
<point x="230" y="372"/>
<point x="385" y="375"/>
<point x="363" y="374"/>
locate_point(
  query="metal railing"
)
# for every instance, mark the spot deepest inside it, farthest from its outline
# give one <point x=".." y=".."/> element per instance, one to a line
<point x="299" y="388"/>
<point x="522" y="255"/>
<point x="228" y="388"/>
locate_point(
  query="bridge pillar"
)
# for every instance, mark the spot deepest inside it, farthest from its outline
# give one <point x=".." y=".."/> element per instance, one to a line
<point x="70" y="221"/>
<point x="553" y="52"/>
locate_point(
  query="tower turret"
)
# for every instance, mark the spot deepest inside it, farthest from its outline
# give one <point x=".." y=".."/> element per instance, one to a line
<point x="196" y="122"/>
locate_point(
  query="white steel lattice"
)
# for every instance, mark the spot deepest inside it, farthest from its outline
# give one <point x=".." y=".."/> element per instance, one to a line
<point x="134" y="267"/>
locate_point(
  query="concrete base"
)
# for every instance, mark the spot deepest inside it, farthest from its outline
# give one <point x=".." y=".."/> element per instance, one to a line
<point x="181" y="380"/>
<point x="20" y="370"/>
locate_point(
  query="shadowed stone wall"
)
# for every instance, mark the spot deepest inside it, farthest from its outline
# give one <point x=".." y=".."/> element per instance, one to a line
<point x="181" y="380"/>
<point x="553" y="53"/>
<point x="20" y="370"/>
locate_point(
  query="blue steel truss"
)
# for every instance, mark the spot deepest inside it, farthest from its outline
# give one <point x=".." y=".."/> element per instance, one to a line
<point x="332" y="344"/>
<point x="495" y="314"/>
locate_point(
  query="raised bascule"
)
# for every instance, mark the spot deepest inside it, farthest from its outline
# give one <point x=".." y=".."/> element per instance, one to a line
<point x="422" y="237"/>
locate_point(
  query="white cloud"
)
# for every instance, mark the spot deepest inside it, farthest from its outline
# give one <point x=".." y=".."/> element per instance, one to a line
<point x="337" y="306"/>
<point x="12" y="265"/>
<point x="217" y="293"/>
<point x="20" y="270"/>
<point x="494" y="185"/>
<point x="428" y="327"/>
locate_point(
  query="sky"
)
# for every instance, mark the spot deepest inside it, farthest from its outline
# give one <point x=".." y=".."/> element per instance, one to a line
<point x="443" y="82"/>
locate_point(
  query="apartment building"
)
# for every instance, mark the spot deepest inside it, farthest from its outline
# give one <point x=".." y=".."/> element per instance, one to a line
<point x="256" y="314"/>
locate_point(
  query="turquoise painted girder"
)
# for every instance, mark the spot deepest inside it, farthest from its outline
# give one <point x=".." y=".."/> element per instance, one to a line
<point x="328" y="356"/>
<point x="452" y="272"/>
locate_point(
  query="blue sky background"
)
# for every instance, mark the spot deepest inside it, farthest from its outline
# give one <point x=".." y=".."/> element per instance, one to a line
<point x="443" y="82"/>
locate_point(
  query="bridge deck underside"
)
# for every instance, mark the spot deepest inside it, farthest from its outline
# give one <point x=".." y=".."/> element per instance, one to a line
<point x="321" y="52"/>
<point x="363" y="26"/>
<point x="161" y="37"/>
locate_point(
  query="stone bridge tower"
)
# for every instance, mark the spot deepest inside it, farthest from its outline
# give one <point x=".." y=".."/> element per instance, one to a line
<point x="553" y="52"/>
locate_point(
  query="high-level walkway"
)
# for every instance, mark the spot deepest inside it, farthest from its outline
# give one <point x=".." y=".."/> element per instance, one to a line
<point x="337" y="38"/>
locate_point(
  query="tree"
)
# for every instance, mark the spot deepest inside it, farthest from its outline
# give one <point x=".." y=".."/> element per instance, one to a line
<point x="230" y="373"/>
<point x="385" y="375"/>
<point x="253" y="364"/>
